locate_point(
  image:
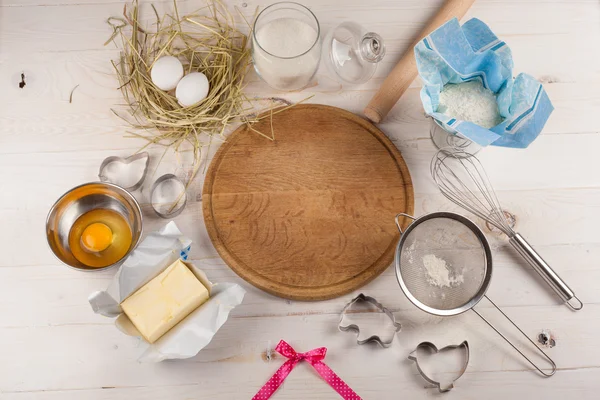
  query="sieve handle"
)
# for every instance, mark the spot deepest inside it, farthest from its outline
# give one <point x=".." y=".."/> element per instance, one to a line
<point x="553" y="365"/>
<point x="398" y="222"/>
<point x="541" y="267"/>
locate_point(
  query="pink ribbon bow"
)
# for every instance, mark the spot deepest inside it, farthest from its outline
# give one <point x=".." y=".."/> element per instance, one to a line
<point x="314" y="357"/>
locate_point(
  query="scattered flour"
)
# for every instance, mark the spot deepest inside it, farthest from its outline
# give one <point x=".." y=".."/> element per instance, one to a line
<point x="438" y="272"/>
<point x="470" y="101"/>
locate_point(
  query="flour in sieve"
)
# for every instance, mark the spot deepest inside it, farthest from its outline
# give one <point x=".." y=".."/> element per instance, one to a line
<point x="410" y="252"/>
<point x="438" y="273"/>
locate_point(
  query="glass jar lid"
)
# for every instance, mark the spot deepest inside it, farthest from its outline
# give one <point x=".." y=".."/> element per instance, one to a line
<point x="351" y="53"/>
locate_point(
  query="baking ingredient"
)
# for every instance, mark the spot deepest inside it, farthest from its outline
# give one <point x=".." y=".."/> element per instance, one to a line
<point x="100" y="238"/>
<point x="96" y="237"/>
<point x="286" y="37"/>
<point x="207" y="41"/>
<point x="281" y="53"/>
<point x="470" y="101"/>
<point x="410" y="252"/>
<point x="163" y="302"/>
<point x="191" y="89"/>
<point x="166" y="72"/>
<point x="438" y="273"/>
<point x="405" y="71"/>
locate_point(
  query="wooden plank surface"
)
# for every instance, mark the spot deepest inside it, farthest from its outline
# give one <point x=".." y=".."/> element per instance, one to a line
<point x="54" y="347"/>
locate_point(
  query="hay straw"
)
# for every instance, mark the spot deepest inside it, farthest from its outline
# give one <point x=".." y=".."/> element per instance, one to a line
<point x="207" y="42"/>
<point x="71" y="95"/>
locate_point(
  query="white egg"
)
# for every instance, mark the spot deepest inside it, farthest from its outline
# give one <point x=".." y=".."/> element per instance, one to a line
<point x="191" y="89"/>
<point x="166" y="72"/>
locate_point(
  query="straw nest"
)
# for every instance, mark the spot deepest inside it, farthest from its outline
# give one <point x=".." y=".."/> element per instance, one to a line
<point x="205" y="41"/>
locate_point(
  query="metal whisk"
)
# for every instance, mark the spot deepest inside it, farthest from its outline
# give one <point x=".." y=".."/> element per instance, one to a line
<point x="462" y="179"/>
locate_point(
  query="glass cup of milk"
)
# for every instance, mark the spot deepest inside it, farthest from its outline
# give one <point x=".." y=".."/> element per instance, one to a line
<point x="286" y="45"/>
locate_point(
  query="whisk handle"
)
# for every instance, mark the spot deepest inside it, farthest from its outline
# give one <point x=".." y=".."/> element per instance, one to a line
<point x="547" y="273"/>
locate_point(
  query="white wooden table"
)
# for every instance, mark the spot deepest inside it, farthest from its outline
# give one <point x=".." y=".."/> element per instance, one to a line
<point x="52" y="346"/>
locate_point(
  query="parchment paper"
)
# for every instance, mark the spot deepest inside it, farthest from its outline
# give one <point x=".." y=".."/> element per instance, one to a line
<point x="155" y="253"/>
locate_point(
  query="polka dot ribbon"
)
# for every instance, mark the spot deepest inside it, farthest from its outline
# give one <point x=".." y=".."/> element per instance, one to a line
<point x="314" y="357"/>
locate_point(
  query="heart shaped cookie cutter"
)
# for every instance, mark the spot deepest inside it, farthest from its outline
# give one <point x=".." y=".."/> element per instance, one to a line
<point x="102" y="173"/>
<point x="430" y="346"/>
<point x="361" y="298"/>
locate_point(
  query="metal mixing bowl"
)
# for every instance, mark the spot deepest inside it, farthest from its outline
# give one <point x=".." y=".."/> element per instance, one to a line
<point x="78" y="201"/>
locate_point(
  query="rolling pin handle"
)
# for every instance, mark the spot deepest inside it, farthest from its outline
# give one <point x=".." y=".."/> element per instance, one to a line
<point x="372" y="115"/>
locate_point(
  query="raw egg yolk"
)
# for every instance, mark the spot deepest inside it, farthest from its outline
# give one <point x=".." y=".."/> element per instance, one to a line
<point x="96" y="237"/>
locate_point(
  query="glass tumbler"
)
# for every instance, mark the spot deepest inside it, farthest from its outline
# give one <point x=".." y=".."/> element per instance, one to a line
<point x="286" y="45"/>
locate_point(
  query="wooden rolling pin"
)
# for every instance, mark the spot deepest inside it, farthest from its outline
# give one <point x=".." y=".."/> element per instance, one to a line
<point x="405" y="71"/>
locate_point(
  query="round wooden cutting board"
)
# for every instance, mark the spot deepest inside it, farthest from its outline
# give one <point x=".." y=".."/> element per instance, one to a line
<point x="309" y="216"/>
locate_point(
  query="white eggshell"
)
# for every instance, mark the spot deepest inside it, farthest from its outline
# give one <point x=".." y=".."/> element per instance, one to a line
<point x="166" y="72"/>
<point x="191" y="89"/>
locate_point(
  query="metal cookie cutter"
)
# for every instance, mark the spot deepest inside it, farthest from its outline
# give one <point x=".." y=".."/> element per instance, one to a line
<point x="346" y="325"/>
<point x="442" y="387"/>
<point x="118" y="170"/>
<point x="168" y="196"/>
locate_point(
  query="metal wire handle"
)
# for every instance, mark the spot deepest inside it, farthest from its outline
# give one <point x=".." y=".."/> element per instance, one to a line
<point x="398" y="223"/>
<point x="515" y="347"/>
<point x="545" y="271"/>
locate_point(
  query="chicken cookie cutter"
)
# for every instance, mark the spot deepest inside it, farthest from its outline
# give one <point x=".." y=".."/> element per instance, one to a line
<point x="124" y="163"/>
<point x="346" y="326"/>
<point x="442" y="387"/>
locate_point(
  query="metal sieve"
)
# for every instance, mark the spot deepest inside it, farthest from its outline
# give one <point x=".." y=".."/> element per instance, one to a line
<point x="444" y="267"/>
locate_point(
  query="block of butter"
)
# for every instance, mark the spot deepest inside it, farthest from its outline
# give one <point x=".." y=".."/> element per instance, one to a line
<point x="163" y="302"/>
